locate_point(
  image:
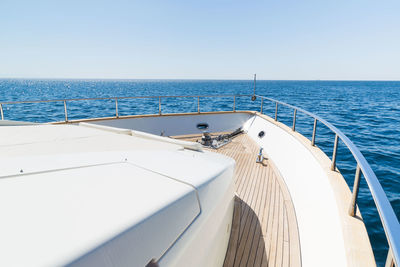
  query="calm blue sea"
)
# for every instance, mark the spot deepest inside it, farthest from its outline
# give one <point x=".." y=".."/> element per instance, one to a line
<point x="367" y="112"/>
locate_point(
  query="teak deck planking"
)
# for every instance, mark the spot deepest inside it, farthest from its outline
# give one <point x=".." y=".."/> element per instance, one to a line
<point x="264" y="228"/>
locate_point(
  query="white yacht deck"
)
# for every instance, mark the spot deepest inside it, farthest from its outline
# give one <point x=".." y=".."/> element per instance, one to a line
<point x="86" y="196"/>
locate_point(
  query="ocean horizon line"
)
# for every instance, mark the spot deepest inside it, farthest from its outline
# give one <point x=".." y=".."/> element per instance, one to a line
<point x="192" y="79"/>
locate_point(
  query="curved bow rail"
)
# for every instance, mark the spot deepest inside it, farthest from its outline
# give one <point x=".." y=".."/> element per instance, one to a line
<point x="387" y="215"/>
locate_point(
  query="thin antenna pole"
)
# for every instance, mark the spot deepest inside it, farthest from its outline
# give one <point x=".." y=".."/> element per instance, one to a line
<point x="254" y="93"/>
<point x="255" y="78"/>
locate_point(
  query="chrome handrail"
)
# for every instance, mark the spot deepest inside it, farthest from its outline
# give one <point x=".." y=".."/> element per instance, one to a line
<point x="113" y="98"/>
<point x="116" y="101"/>
<point x="388" y="217"/>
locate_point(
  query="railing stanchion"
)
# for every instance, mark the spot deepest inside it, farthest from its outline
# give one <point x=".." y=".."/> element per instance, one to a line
<point x="356" y="186"/>
<point x="389" y="259"/>
<point x="234" y="103"/>
<point x="1" y="111"/>
<point x="262" y="103"/>
<point x="314" y="132"/>
<point x="65" y="111"/>
<point x="159" y="105"/>
<point x="116" y="107"/>
<point x="198" y="104"/>
<point x="333" y="165"/>
<point x="276" y="111"/>
<point x="294" y="120"/>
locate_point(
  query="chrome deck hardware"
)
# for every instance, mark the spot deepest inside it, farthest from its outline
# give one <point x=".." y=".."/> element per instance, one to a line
<point x="260" y="156"/>
<point x="218" y="141"/>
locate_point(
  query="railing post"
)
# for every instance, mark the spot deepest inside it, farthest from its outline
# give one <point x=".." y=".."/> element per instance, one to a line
<point x="356" y="186"/>
<point x="276" y="111"/>
<point x="116" y="108"/>
<point x="234" y="103"/>
<point x="262" y="102"/>
<point x="1" y="111"/>
<point x="198" y="104"/>
<point x="294" y="120"/>
<point x="389" y="259"/>
<point x="314" y="132"/>
<point x="159" y="105"/>
<point x="333" y="165"/>
<point x="65" y="111"/>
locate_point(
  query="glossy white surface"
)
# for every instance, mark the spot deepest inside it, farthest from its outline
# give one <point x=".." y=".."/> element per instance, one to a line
<point x="184" y="144"/>
<point x="88" y="197"/>
<point x="16" y="141"/>
<point x="54" y="218"/>
<point x="180" y="125"/>
<point x="213" y="226"/>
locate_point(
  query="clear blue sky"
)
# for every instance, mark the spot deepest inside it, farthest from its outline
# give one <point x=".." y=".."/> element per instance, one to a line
<point x="220" y="39"/>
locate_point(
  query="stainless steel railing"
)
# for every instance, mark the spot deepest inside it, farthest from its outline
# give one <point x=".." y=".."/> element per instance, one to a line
<point x="387" y="216"/>
<point x="116" y="102"/>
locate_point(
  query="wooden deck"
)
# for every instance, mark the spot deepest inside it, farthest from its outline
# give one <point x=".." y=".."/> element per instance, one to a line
<point x="264" y="230"/>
